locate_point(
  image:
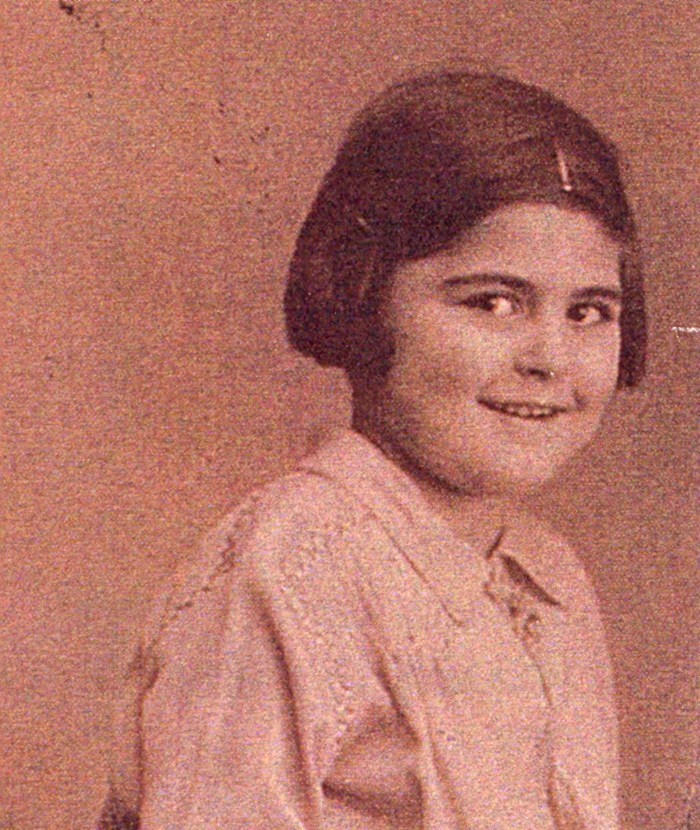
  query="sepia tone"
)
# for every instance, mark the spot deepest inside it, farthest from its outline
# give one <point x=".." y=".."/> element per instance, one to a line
<point x="158" y="159"/>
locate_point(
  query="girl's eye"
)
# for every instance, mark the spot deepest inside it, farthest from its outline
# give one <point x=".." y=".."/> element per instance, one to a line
<point x="589" y="314"/>
<point x="500" y="305"/>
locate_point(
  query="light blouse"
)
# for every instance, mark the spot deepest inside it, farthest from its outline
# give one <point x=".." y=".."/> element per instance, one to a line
<point x="337" y="658"/>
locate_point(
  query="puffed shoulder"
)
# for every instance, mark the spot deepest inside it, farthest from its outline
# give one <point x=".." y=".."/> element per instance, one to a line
<point x="297" y="503"/>
<point x="300" y="524"/>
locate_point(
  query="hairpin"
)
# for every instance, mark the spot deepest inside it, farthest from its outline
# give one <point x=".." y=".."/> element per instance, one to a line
<point x="362" y="222"/>
<point x="564" y="173"/>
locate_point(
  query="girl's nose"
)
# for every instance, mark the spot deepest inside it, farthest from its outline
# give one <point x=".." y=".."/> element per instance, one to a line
<point x="526" y="369"/>
<point x="545" y="354"/>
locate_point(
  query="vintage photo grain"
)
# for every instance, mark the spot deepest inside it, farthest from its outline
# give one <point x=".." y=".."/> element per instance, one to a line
<point x="349" y="415"/>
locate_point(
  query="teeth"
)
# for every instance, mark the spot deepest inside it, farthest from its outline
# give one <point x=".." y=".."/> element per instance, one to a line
<point x="524" y="410"/>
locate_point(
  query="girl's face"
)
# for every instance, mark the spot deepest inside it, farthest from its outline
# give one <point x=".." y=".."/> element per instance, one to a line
<point x="506" y="351"/>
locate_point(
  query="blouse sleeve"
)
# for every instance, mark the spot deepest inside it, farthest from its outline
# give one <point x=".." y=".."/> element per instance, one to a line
<point x="267" y="678"/>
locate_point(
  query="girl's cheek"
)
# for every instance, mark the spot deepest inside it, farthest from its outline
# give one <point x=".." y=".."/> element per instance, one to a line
<point x="601" y="366"/>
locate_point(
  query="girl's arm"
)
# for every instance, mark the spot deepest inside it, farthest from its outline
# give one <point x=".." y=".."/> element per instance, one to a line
<point x="264" y="687"/>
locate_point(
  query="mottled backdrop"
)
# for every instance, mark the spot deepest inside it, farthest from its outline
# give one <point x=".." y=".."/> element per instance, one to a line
<point x="156" y="159"/>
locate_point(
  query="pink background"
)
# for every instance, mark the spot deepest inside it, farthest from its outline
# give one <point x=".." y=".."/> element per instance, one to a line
<point x="157" y="158"/>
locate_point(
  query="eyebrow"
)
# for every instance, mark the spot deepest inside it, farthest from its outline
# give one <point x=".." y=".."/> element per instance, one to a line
<point x="599" y="291"/>
<point x="517" y="283"/>
<point x="520" y="284"/>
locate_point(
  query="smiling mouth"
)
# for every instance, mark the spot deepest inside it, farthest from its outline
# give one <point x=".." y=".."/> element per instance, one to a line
<point x="517" y="409"/>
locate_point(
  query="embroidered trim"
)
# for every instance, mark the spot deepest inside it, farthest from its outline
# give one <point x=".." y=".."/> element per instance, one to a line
<point x="514" y="598"/>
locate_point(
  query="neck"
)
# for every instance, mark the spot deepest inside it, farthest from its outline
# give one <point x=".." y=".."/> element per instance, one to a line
<point x="471" y="514"/>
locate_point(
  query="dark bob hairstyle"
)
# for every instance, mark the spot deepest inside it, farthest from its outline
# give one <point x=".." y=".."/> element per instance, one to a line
<point x="423" y="162"/>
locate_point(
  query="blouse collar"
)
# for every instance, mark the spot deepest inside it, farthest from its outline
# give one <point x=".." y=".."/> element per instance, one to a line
<point x="453" y="569"/>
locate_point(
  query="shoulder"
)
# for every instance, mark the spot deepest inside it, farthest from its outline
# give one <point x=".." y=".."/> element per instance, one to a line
<point x="299" y="530"/>
<point x="298" y="503"/>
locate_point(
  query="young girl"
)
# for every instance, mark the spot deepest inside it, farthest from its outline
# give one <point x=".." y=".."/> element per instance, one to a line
<point x="380" y="639"/>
